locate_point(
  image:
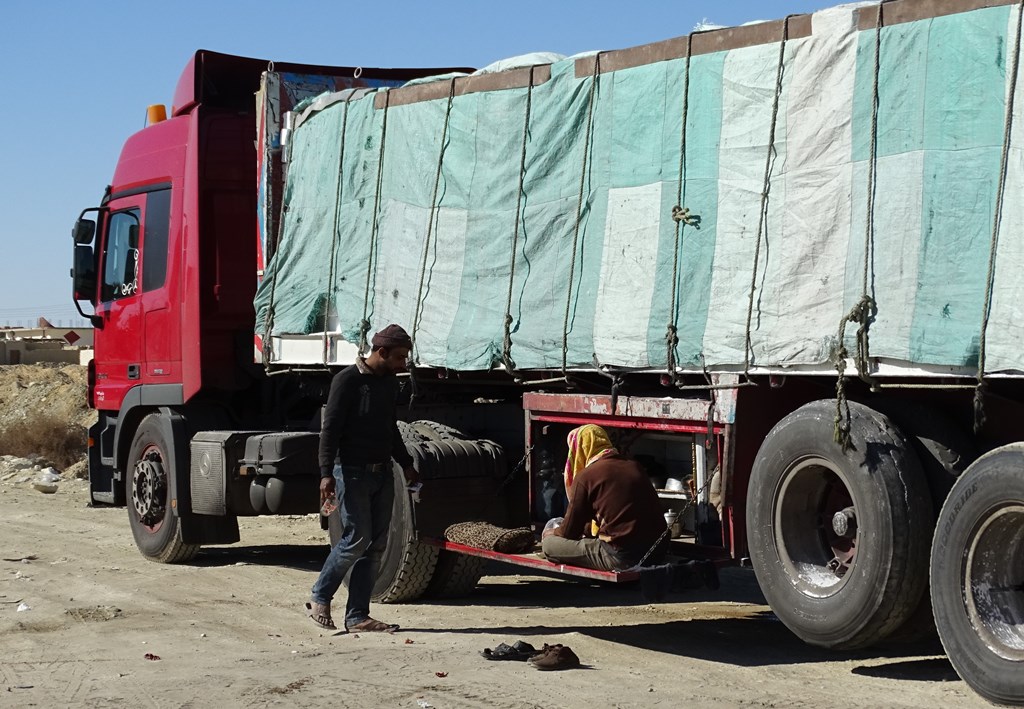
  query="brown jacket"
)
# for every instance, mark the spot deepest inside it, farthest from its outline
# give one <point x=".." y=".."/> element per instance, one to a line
<point x="616" y="493"/>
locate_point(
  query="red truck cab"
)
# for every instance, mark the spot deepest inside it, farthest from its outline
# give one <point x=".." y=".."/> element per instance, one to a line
<point x="170" y="258"/>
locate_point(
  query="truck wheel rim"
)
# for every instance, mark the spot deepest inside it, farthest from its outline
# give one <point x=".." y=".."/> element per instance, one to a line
<point x="993" y="581"/>
<point x="815" y="527"/>
<point x="149" y="489"/>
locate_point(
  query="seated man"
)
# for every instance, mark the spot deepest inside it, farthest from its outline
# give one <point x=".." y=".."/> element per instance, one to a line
<point x="615" y="493"/>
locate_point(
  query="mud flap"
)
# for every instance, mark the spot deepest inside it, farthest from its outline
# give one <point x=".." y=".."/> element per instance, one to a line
<point x="104" y="487"/>
<point x="195" y="529"/>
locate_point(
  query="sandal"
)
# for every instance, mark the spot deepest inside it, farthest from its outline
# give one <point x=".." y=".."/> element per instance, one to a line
<point x="519" y="650"/>
<point x="320" y="613"/>
<point x="371" y="626"/>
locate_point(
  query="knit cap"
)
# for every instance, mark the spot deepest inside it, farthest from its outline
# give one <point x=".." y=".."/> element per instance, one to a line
<point x="392" y="336"/>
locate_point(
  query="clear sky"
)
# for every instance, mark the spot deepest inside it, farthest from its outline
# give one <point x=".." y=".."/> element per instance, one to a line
<point x="78" y="77"/>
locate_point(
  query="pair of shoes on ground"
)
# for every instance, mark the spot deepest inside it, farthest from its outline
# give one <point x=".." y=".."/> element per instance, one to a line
<point x="550" y="657"/>
<point x="320" y="613"/>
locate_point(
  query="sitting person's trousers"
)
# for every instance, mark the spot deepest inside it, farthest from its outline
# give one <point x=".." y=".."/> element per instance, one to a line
<point x="596" y="554"/>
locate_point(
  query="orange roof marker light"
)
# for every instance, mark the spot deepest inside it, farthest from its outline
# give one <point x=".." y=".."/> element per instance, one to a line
<point x="157" y="113"/>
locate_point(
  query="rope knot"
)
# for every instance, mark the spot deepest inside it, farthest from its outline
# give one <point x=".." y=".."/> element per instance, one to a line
<point x="979" y="406"/>
<point x="671" y="336"/>
<point x="864" y="311"/>
<point x="682" y="214"/>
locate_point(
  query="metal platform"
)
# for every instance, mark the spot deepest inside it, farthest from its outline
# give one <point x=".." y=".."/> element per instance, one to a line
<point x="535" y="561"/>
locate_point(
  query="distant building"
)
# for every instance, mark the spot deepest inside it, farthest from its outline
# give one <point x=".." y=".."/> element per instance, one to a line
<point x="24" y="345"/>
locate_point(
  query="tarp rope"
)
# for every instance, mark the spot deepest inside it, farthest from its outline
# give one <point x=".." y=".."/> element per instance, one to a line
<point x="979" y="391"/>
<point x="364" y="325"/>
<point x="863" y="312"/>
<point x="430" y="220"/>
<point x="579" y="214"/>
<point x="680" y="215"/>
<point x="506" y="345"/>
<point x="748" y="348"/>
<point x="339" y="193"/>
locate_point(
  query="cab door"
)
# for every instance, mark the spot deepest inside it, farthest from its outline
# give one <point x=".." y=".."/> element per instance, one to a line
<point x="119" y="337"/>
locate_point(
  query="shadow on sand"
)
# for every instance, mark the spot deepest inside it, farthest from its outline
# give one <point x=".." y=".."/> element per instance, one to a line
<point x="305" y="557"/>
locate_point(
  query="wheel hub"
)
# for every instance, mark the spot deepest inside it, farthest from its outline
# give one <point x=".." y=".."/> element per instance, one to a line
<point x="993" y="582"/>
<point x="816" y="527"/>
<point x="844" y="523"/>
<point x="149" y="489"/>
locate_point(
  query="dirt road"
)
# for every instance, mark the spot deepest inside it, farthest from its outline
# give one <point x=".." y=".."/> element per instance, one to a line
<point x="228" y="632"/>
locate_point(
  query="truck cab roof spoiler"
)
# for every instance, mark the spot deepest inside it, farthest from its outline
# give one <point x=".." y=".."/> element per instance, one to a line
<point x="229" y="80"/>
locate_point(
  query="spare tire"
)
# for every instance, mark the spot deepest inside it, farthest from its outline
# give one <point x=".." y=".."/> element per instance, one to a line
<point x="406" y="566"/>
<point x="434" y="431"/>
<point x="977" y="576"/>
<point x="839" y="538"/>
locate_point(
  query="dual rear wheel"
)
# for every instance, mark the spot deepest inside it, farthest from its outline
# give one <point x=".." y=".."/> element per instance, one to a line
<point x="838" y="537"/>
<point x="842" y="540"/>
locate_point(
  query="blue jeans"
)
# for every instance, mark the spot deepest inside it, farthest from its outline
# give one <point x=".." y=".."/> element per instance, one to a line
<point x="365" y="501"/>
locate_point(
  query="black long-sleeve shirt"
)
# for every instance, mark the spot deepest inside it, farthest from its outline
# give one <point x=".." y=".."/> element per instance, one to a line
<point x="359" y="424"/>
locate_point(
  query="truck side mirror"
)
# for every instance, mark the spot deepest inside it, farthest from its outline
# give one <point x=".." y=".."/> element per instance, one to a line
<point x="133" y="236"/>
<point x="83" y="231"/>
<point x="83" y="274"/>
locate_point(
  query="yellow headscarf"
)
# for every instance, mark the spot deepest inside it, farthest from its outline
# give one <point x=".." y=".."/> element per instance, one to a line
<point x="586" y="444"/>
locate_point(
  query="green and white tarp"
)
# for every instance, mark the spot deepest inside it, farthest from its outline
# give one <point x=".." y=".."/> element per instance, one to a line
<point x="943" y="85"/>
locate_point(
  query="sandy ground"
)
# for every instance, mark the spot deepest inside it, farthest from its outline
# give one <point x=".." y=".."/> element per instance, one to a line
<point x="228" y="632"/>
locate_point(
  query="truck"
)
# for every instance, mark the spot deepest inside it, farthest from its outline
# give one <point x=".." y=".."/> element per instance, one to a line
<point x="778" y="262"/>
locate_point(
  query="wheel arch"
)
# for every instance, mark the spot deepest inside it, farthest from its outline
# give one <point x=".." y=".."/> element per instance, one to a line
<point x="139" y="402"/>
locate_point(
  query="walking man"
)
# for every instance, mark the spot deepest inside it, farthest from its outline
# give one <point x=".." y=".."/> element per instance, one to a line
<point x="359" y="427"/>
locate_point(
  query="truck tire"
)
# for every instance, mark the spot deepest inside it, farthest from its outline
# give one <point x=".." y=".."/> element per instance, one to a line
<point x="943" y="447"/>
<point x="455" y="575"/>
<point x="977" y="576"/>
<point x="406" y="566"/>
<point x="944" y="450"/>
<point x="155" y="526"/>
<point x="434" y="431"/>
<point x="839" y="539"/>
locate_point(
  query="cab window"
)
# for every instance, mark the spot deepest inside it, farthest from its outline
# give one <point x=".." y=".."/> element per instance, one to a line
<point x="121" y="256"/>
<point x="158" y="217"/>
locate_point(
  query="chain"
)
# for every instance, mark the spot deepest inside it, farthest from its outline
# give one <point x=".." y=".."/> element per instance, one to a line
<point x="515" y="471"/>
<point x="668" y="528"/>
